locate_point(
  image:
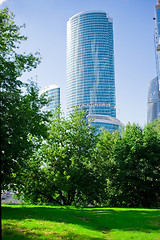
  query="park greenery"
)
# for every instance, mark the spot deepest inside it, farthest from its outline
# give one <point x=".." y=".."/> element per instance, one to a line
<point x="49" y="159"/>
<point x="21" y="118"/>
<point x="76" y="166"/>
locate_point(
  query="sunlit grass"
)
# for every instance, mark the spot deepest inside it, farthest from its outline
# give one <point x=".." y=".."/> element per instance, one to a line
<point x="44" y="222"/>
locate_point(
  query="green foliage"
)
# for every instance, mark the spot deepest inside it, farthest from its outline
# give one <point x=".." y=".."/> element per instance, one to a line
<point x="133" y="160"/>
<point x="20" y="103"/>
<point x="156" y="125"/>
<point x="76" y="166"/>
<point x="106" y="162"/>
<point x="63" y="169"/>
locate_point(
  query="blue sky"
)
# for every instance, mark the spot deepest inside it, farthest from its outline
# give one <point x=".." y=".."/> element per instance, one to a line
<point x="133" y="23"/>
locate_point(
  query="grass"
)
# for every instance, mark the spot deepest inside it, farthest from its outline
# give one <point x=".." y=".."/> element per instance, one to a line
<point x="22" y="222"/>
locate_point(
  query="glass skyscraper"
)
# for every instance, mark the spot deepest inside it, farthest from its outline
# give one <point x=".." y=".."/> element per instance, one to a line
<point x="90" y="67"/>
<point x="53" y="94"/>
<point x="153" y="111"/>
<point x="153" y="100"/>
<point x="157" y="37"/>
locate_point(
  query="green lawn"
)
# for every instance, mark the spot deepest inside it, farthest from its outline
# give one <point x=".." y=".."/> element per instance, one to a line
<point x="44" y="222"/>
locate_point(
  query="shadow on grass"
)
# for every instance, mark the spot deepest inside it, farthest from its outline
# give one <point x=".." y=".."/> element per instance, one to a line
<point x="101" y="220"/>
<point x="15" y="234"/>
<point x="12" y="232"/>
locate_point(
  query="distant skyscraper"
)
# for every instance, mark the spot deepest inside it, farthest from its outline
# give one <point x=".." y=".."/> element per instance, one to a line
<point x="157" y="37"/>
<point x="53" y="94"/>
<point x="153" y="111"/>
<point x="90" y="67"/>
<point x="153" y="100"/>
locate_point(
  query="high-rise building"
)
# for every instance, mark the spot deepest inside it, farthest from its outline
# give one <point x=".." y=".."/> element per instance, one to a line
<point x="153" y="111"/>
<point x="90" y="67"/>
<point x="153" y="99"/>
<point x="157" y="37"/>
<point x="53" y="94"/>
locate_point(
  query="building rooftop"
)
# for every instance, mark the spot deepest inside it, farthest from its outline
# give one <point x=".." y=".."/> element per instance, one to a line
<point x="86" y="12"/>
<point x="47" y="88"/>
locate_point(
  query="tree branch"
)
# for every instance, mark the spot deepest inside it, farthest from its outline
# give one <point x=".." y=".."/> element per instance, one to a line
<point x="49" y="197"/>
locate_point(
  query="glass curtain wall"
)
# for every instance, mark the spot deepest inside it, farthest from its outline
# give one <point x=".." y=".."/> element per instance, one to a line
<point x="90" y="63"/>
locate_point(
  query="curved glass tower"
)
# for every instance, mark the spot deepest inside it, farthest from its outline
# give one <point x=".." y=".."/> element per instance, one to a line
<point x="53" y="94"/>
<point x="90" y="64"/>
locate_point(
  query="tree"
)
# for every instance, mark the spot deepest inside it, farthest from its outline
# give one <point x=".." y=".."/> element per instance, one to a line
<point x="106" y="164"/>
<point x="151" y="169"/>
<point x="21" y="118"/>
<point x="156" y="125"/>
<point x="130" y="164"/>
<point x="63" y="170"/>
<point x="137" y="167"/>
